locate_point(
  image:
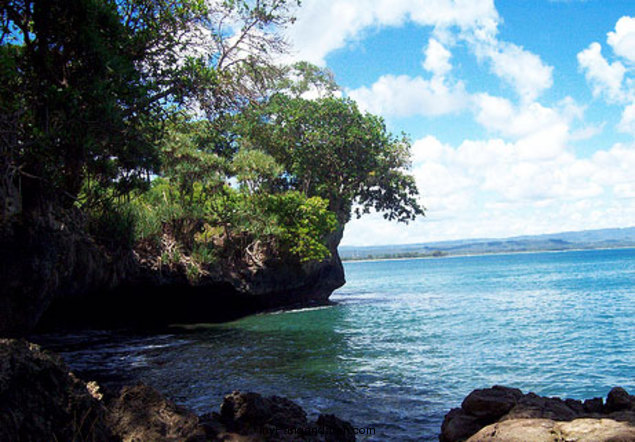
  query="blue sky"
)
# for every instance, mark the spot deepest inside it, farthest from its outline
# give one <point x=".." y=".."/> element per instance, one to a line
<point x="521" y="113"/>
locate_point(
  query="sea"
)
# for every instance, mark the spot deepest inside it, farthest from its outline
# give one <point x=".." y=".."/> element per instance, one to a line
<point x="404" y="342"/>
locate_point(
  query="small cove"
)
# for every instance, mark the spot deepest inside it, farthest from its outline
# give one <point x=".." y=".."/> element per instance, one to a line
<point x="406" y="341"/>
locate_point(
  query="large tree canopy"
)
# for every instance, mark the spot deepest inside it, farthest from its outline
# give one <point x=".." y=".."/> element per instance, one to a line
<point x="331" y="149"/>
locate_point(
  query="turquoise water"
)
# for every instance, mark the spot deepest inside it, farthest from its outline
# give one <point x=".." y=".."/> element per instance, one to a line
<point x="405" y="343"/>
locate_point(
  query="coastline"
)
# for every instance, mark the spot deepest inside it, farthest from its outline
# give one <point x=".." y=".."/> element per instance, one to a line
<point x="469" y="255"/>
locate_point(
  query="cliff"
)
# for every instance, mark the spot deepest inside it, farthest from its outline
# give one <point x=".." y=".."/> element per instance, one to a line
<point x="54" y="274"/>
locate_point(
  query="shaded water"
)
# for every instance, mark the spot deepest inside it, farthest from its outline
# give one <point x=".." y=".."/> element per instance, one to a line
<point x="406" y="342"/>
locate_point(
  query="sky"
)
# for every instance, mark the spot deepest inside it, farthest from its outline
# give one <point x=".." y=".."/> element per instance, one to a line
<point x="521" y="112"/>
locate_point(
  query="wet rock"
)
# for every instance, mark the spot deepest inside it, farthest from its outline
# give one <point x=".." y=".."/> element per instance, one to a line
<point x="575" y="405"/>
<point x="533" y="406"/>
<point x="41" y="401"/>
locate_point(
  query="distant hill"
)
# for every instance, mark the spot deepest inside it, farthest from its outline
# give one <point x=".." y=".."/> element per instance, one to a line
<point x="587" y="239"/>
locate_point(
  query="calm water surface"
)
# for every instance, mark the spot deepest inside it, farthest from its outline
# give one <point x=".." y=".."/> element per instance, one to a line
<point x="406" y="342"/>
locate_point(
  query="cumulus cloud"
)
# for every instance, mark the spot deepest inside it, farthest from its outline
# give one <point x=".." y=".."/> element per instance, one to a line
<point x="490" y="188"/>
<point x="605" y="78"/>
<point x="327" y="25"/>
<point x="403" y="95"/>
<point x="614" y="81"/>
<point x="500" y="115"/>
<point x="437" y="58"/>
<point x="627" y="123"/>
<point x="519" y="68"/>
<point x="623" y="39"/>
<point x="324" y="26"/>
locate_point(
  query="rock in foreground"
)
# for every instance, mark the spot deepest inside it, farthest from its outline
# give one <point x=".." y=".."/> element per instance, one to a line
<point x="506" y="414"/>
<point x="41" y="400"/>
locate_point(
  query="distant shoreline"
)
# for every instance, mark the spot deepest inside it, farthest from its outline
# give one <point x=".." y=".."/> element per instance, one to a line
<point x="467" y="255"/>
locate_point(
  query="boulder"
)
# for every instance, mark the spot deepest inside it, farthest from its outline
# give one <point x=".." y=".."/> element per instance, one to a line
<point x="491" y="403"/>
<point x="506" y="414"/>
<point x="276" y="418"/>
<point x="459" y="425"/>
<point x="618" y="399"/>
<point x="41" y="400"/>
<point x="547" y="430"/>
<point x="141" y="413"/>
<point x="250" y="412"/>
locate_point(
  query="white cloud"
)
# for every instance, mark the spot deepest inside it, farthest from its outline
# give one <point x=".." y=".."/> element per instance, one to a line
<point x="500" y="115"/>
<point x="437" y="58"/>
<point x="521" y="69"/>
<point x="627" y="123"/>
<point x="490" y="188"/>
<point x="587" y="132"/>
<point x="327" y="25"/>
<point x="403" y="96"/>
<point x="324" y="26"/>
<point x="623" y="39"/>
<point x="605" y="78"/>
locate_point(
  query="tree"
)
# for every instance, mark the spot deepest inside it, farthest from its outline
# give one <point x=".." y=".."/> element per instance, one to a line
<point x="331" y="149"/>
<point x="89" y="84"/>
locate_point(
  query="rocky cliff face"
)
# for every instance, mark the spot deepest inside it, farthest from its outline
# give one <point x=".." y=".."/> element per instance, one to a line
<point x="54" y="274"/>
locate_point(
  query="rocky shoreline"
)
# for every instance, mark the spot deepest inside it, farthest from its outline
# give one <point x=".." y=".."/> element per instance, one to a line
<point x="506" y="414"/>
<point x="41" y="400"/>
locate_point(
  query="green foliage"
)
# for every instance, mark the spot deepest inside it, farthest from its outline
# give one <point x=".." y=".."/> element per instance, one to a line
<point x="330" y="149"/>
<point x="98" y="97"/>
<point x="113" y="225"/>
<point x="304" y="223"/>
<point x="255" y="170"/>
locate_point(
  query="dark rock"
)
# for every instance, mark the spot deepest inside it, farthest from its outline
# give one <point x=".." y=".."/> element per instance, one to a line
<point x="458" y="426"/>
<point x="537" y="418"/>
<point x="491" y="403"/>
<point x="335" y="429"/>
<point x="141" y="413"/>
<point x="595" y="405"/>
<point x="537" y="407"/>
<point x="41" y="400"/>
<point x="250" y="412"/>
<point x="575" y="405"/>
<point x="274" y="418"/>
<point x="618" y="399"/>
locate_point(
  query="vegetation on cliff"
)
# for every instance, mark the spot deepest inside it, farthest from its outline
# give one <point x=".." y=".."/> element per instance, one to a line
<point x="172" y="129"/>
